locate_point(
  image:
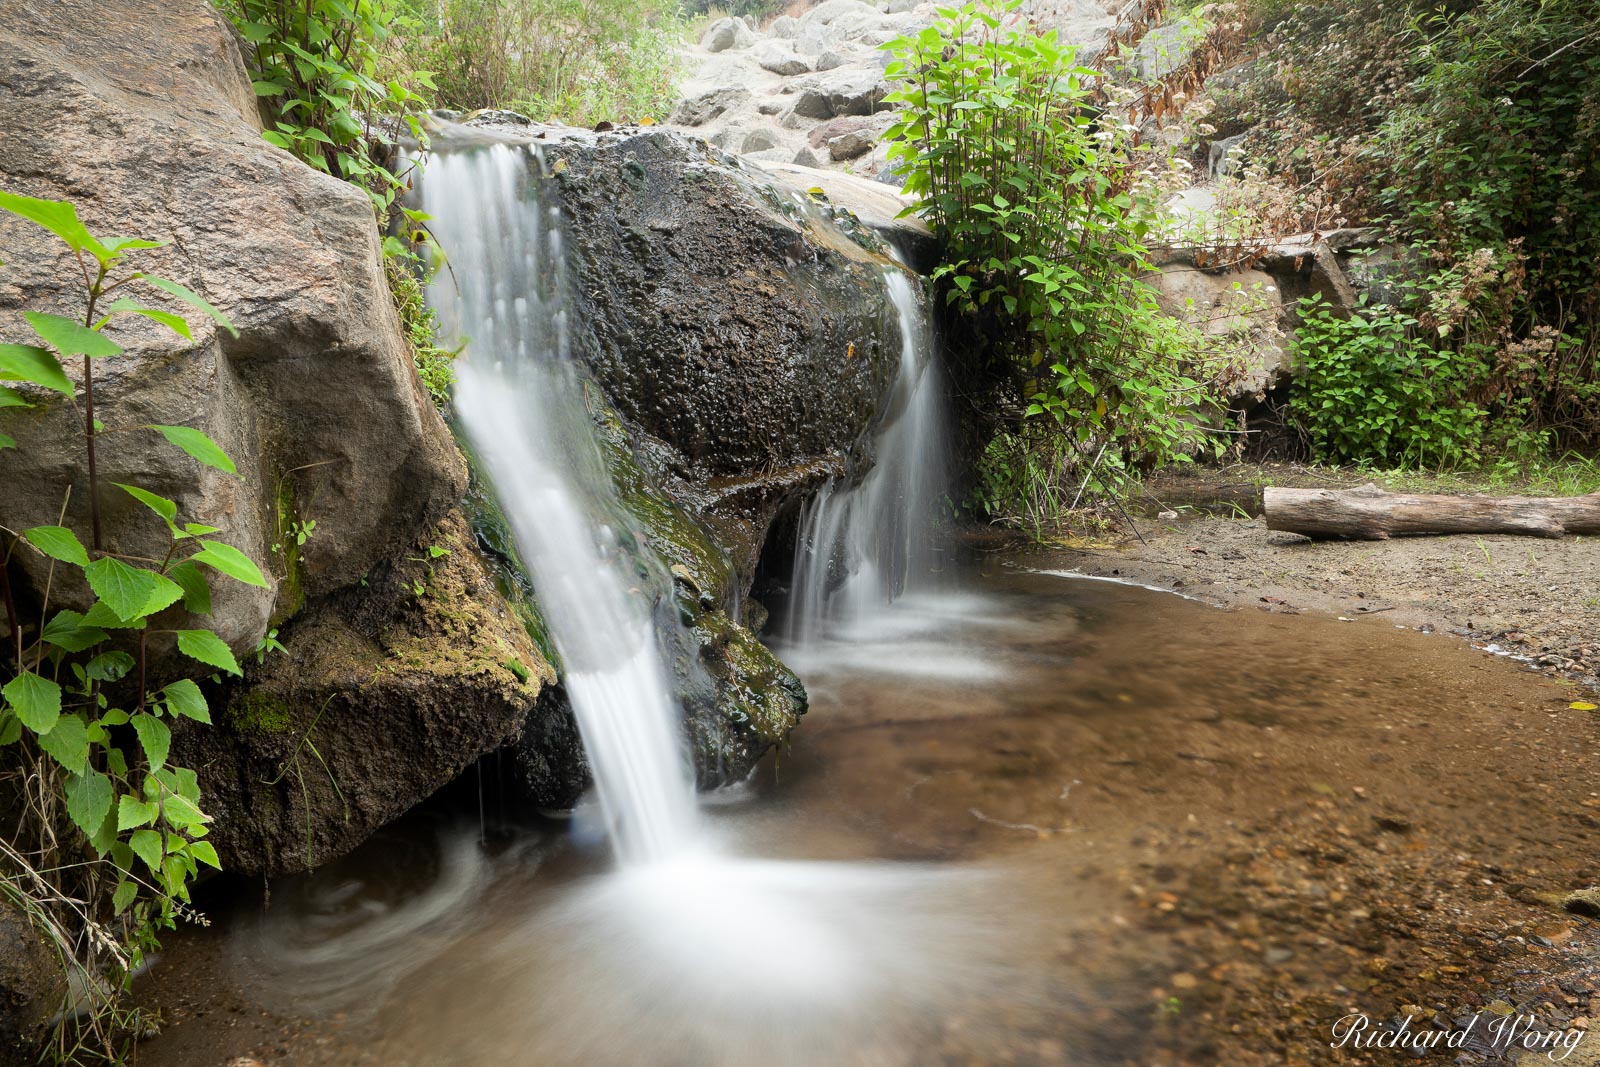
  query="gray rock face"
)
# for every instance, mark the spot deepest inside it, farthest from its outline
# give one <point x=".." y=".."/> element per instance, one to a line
<point x="727" y="33"/>
<point x="727" y="321"/>
<point x="1165" y="49"/>
<point x="846" y="91"/>
<point x="758" y="140"/>
<point x="850" y="145"/>
<point x="709" y="105"/>
<point x="1242" y="309"/>
<point x="148" y="123"/>
<point x="779" y="59"/>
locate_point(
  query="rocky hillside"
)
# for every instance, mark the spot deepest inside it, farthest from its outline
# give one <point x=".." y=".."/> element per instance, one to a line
<point x="809" y="89"/>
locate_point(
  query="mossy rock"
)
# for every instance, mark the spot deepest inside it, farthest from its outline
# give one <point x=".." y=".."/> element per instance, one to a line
<point x="384" y="693"/>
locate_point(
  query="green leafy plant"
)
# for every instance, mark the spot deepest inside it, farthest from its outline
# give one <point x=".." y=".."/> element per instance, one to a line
<point x="1471" y="129"/>
<point x="434" y="362"/>
<point x="1041" y="214"/>
<point x="1370" y="388"/>
<point x="110" y="833"/>
<point x="317" y="64"/>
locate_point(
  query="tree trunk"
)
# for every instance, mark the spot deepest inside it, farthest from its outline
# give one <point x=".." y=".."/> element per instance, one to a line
<point x="1370" y="514"/>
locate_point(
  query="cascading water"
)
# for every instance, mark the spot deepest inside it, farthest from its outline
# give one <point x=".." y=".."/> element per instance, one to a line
<point x="861" y="547"/>
<point x="711" y="957"/>
<point x="521" y="403"/>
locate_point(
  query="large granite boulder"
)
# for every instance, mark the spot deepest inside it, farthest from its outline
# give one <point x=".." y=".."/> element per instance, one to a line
<point x="144" y="117"/>
<point x="399" y="668"/>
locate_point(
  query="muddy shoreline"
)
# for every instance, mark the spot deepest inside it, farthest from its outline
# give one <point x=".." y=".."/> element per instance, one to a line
<point x="1535" y="599"/>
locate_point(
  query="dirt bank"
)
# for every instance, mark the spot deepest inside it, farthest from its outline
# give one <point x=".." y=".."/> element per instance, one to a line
<point x="1530" y="597"/>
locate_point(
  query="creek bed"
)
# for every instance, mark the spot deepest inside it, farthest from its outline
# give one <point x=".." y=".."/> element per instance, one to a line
<point x="1038" y="820"/>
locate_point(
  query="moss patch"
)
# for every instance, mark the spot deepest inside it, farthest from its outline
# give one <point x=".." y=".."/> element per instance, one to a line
<point x="259" y="712"/>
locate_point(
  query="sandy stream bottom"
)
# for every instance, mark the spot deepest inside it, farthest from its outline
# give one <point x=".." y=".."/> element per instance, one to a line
<point x="1042" y="821"/>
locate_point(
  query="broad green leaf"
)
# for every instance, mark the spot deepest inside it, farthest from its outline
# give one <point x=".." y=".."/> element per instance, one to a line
<point x="175" y="875"/>
<point x="7" y="441"/>
<point x="206" y="853"/>
<point x="110" y="666"/>
<point x="10" y="398"/>
<point x="118" y="245"/>
<point x="131" y="592"/>
<point x="176" y="323"/>
<point x="30" y="364"/>
<point x="184" y="698"/>
<point x="196" y="593"/>
<point x="124" y="896"/>
<point x="208" y="648"/>
<point x="68" y="630"/>
<point x="100" y="614"/>
<point x="132" y="812"/>
<point x="182" y="781"/>
<point x="183" y="811"/>
<point x="70" y="338"/>
<point x="198" y="445"/>
<point x="158" y="504"/>
<point x="105" y="835"/>
<point x="194" y="299"/>
<point x="10" y="728"/>
<point x="229" y="561"/>
<point x="88" y="800"/>
<point x="35" y="699"/>
<point x="68" y="742"/>
<point x="58" y="543"/>
<point x="57" y="216"/>
<point x="154" y="737"/>
<point x="146" y="844"/>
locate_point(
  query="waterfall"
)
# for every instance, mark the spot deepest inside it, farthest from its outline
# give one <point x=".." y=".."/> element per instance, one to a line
<point x="861" y="547"/>
<point x="520" y="400"/>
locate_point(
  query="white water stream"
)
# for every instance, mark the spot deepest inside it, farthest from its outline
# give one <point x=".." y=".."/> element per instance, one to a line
<point x="521" y="403"/>
<point x="862" y="547"/>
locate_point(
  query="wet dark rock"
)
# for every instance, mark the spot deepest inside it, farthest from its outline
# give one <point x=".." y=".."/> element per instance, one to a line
<point x="746" y="350"/>
<point x="384" y="692"/>
<point x="1585" y="902"/>
<point x="32" y="988"/>
<point x="551" y="766"/>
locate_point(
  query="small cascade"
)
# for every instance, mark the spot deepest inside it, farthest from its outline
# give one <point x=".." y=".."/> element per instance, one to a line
<point x="521" y="403"/>
<point x="861" y="547"/>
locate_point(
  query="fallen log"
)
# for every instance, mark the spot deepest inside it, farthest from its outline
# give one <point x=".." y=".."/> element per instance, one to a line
<point x="1370" y="514"/>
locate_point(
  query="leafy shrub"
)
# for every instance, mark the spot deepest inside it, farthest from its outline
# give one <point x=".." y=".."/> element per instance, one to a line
<point x="1041" y="216"/>
<point x="109" y="834"/>
<point x="434" y="363"/>
<point x="1473" y="128"/>
<point x="1370" y="388"/>
<point x="579" y="61"/>
<point x="316" y="63"/>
